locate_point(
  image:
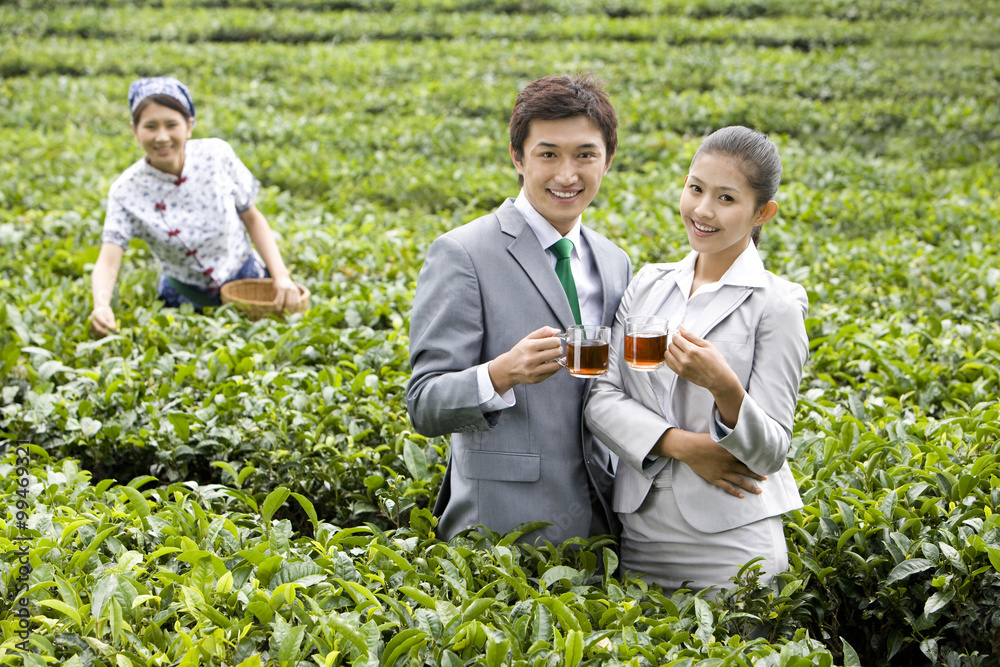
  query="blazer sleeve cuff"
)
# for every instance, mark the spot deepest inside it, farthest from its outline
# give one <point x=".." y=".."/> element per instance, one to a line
<point x="652" y="465"/>
<point x="758" y="441"/>
<point x="629" y="430"/>
<point x="719" y="430"/>
<point x="449" y="403"/>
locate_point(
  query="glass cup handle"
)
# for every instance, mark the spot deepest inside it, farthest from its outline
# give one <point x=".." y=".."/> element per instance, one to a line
<point x="562" y="338"/>
<point x="671" y="332"/>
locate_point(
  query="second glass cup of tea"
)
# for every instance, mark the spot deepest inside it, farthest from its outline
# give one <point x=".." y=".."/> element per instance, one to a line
<point x="586" y="350"/>
<point x="645" y="342"/>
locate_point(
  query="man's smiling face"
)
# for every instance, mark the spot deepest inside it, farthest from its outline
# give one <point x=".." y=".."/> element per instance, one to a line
<point x="563" y="164"/>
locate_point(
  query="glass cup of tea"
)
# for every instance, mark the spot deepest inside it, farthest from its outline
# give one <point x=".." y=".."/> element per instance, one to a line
<point x="645" y="341"/>
<point x="586" y="350"/>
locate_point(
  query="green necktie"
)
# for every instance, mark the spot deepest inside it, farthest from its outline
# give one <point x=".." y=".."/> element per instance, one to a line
<point x="562" y="249"/>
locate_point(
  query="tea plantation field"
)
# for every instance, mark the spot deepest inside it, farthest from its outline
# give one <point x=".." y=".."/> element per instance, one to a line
<point x="203" y="490"/>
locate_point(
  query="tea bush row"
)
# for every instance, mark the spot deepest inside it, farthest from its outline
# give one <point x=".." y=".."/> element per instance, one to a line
<point x="296" y="27"/>
<point x="701" y="9"/>
<point x="203" y="575"/>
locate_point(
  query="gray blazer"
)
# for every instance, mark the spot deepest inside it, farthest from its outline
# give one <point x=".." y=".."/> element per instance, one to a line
<point x="760" y="331"/>
<point x="482" y="288"/>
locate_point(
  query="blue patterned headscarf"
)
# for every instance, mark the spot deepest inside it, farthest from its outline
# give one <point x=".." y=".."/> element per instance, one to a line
<point x="140" y="89"/>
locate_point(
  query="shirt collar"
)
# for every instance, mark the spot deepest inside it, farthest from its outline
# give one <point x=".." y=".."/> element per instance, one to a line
<point x="149" y="169"/>
<point x="746" y="271"/>
<point x="686" y="265"/>
<point x="546" y="233"/>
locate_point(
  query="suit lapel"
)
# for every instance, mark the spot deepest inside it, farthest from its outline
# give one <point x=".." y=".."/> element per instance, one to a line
<point x="728" y="299"/>
<point x="604" y="262"/>
<point x="657" y="295"/>
<point x="720" y="306"/>
<point x="528" y="252"/>
<point x="652" y="384"/>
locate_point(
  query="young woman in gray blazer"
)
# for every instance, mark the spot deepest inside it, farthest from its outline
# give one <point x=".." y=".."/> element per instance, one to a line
<point x="702" y="478"/>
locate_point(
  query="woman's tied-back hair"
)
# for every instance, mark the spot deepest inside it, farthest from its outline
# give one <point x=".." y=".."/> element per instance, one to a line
<point x="757" y="156"/>
<point x="557" y="97"/>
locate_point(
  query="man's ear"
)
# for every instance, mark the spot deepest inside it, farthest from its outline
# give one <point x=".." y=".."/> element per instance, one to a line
<point x="517" y="163"/>
<point x="607" y="165"/>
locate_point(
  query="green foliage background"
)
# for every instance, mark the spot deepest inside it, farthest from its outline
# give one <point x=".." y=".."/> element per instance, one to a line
<point x="277" y="507"/>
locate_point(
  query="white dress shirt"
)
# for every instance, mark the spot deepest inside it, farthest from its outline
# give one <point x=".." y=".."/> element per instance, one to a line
<point x="590" y="292"/>
<point x="588" y="281"/>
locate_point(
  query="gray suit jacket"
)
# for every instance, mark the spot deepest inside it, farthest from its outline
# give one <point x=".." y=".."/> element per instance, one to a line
<point x="482" y="288"/>
<point x="760" y="331"/>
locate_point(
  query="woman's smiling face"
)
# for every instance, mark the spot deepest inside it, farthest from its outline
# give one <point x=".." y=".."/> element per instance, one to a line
<point x="163" y="132"/>
<point x="719" y="208"/>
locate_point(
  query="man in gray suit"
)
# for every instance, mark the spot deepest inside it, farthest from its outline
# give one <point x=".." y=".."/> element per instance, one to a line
<point x="482" y="333"/>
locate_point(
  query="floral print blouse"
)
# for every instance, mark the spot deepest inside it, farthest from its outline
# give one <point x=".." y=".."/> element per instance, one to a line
<point x="191" y="223"/>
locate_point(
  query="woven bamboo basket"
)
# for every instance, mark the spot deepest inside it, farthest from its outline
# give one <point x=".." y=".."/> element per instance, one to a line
<point x="255" y="297"/>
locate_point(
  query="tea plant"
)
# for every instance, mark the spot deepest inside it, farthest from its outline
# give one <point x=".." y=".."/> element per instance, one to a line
<point x="205" y="575"/>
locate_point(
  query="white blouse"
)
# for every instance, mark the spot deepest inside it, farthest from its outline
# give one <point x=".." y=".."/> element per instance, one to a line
<point x="191" y="223"/>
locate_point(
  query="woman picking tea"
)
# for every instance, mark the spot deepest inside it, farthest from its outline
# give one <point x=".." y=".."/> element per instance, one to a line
<point x="703" y="480"/>
<point x="192" y="202"/>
